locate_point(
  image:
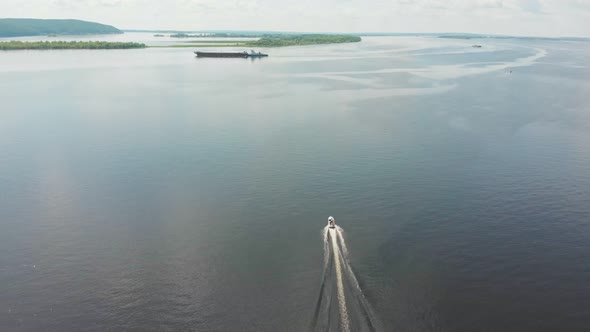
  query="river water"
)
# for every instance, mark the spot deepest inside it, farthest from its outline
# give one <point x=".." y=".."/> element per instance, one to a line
<point x="148" y="190"/>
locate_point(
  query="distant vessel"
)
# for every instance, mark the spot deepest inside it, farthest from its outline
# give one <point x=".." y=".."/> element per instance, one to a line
<point x="244" y="54"/>
<point x="476" y="46"/>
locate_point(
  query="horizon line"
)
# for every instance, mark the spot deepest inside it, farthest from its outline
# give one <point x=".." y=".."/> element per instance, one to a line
<point x="366" y="33"/>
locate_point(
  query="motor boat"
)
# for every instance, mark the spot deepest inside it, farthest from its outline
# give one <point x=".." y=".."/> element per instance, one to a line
<point x="331" y="222"/>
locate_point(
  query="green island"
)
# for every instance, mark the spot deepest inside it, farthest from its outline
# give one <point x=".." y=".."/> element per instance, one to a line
<point x="184" y="35"/>
<point x="65" y="45"/>
<point x="205" y="41"/>
<point x="455" y="37"/>
<point x="21" y="27"/>
<point x="217" y="35"/>
<point x="300" y="40"/>
<point x="272" y="41"/>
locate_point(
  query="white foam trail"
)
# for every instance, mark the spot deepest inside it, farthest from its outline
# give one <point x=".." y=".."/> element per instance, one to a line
<point x="326" y="249"/>
<point x="348" y="268"/>
<point x="342" y="243"/>
<point x="360" y="296"/>
<point x="340" y="285"/>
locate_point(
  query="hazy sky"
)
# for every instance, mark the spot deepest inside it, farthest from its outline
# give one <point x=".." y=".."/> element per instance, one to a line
<point x="522" y="17"/>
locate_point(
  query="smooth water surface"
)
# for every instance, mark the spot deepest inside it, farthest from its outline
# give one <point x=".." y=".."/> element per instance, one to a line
<point x="148" y="190"/>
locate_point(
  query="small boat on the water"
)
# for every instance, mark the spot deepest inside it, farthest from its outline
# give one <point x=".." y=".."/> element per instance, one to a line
<point x="244" y="54"/>
<point x="331" y="222"/>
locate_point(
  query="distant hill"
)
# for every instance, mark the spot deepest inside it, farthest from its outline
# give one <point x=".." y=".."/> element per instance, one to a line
<point x="21" y="27"/>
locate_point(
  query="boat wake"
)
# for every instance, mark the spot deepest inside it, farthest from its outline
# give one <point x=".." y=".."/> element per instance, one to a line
<point x="341" y="304"/>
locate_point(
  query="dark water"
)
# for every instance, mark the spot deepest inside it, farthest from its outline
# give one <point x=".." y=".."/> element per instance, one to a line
<point x="147" y="190"/>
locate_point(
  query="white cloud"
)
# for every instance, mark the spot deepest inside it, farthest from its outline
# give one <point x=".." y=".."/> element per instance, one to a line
<point x="521" y="17"/>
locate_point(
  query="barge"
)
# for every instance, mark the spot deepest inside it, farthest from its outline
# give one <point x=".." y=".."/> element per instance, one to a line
<point x="244" y="54"/>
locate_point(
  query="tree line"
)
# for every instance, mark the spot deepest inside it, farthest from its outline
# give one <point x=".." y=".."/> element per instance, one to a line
<point x="294" y="40"/>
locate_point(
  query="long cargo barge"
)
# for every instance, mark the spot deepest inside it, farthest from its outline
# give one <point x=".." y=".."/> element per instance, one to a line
<point x="229" y="54"/>
<point x="221" y="54"/>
